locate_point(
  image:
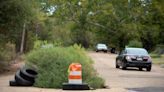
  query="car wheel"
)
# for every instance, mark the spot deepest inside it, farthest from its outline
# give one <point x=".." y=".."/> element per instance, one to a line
<point x="124" y="66"/>
<point x="148" y="68"/>
<point x="21" y="81"/>
<point x="105" y="51"/>
<point x="28" y="74"/>
<point x="140" y="68"/>
<point x="117" y="66"/>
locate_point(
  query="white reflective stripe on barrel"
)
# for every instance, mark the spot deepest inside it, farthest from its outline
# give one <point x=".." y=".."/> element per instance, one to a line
<point x="75" y="73"/>
<point x="75" y="81"/>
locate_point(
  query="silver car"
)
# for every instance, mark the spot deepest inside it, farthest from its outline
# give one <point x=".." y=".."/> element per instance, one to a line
<point x="101" y="47"/>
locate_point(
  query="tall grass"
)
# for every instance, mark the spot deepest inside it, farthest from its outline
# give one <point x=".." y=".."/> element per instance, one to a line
<point x="52" y="65"/>
<point x="7" y="55"/>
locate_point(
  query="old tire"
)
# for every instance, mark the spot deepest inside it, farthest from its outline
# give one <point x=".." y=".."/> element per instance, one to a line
<point x="13" y="83"/>
<point x="28" y="74"/>
<point x="21" y="81"/>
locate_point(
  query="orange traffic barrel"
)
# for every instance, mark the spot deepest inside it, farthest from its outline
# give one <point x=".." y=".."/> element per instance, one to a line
<point x="75" y="73"/>
<point x="75" y="78"/>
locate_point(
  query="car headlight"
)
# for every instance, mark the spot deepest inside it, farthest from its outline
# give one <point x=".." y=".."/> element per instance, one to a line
<point x="128" y="58"/>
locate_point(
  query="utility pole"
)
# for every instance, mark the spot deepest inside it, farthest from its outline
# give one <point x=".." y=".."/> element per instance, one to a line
<point x="23" y="38"/>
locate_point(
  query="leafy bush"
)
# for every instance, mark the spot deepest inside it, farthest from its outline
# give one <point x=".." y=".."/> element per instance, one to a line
<point x="44" y="44"/>
<point x="155" y="55"/>
<point x="135" y="43"/>
<point x="52" y="65"/>
<point x="159" y="50"/>
<point x="7" y="52"/>
<point x="6" y="56"/>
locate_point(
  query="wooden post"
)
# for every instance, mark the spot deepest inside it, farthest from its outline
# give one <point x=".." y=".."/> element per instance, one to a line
<point x="23" y="38"/>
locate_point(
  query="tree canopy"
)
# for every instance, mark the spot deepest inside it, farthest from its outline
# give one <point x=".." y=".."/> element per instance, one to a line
<point x="85" y="22"/>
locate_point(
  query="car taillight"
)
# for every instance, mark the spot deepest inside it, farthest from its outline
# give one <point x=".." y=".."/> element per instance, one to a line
<point x="128" y="58"/>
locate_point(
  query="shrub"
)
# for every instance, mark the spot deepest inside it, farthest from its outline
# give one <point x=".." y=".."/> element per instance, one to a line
<point x="159" y="50"/>
<point x="52" y="65"/>
<point x="7" y="53"/>
<point x="135" y="43"/>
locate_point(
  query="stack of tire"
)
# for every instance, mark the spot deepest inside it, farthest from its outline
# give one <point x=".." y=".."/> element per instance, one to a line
<point x="24" y="77"/>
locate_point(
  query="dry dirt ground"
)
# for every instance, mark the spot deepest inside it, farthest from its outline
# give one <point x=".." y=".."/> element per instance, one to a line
<point x="130" y="80"/>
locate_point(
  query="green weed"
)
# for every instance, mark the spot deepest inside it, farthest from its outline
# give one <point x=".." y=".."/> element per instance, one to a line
<point x="52" y="65"/>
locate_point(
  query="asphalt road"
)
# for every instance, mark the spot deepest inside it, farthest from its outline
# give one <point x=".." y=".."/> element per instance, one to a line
<point x="131" y="79"/>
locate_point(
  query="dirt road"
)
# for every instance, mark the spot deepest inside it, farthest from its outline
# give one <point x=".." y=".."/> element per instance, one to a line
<point x="118" y="80"/>
<point x="131" y="79"/>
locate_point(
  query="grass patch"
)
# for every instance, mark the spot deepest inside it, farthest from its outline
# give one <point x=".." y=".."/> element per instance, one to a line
<point x="157" y="59"/>
<point x="52" y="65"/>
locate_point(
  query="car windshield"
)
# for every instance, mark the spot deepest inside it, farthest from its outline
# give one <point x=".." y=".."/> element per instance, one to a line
<point x="101" y="45"/>
<point x="137" y="51"/>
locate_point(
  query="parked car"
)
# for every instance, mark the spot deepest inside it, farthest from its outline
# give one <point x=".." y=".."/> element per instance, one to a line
<point x="101" y="47"/>
<point x="134" y="57"/>
<point x="113" y="50"/>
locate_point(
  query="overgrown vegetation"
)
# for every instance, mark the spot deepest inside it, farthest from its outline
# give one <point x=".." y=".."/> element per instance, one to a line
<point x="135" y="43"/>
<point x="87" y="22"/>
<point x="158" y="55"/>
<point x="7" y="54"/>
<point x="13" y="15"/>
<point x="157" y="59"/>
<point x="52" y="65"/>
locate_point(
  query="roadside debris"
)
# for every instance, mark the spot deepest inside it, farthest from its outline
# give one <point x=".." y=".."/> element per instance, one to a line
<point x="24" y="77"/>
